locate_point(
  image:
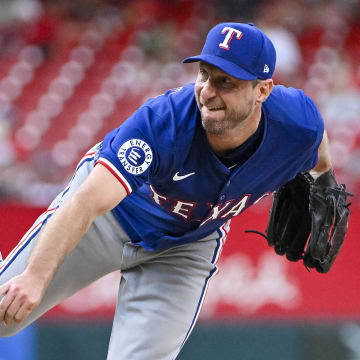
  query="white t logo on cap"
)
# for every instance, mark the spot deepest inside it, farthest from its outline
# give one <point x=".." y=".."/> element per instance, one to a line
<point x="229" y="36"/>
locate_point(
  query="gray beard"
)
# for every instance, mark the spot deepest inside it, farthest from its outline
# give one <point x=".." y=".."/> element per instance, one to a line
<point x="221" y="127"/>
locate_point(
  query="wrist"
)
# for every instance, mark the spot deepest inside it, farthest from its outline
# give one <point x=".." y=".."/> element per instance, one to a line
<point x="319" y="171"/>
<point x="327" y="178"/>
<point x="41" y="276"/>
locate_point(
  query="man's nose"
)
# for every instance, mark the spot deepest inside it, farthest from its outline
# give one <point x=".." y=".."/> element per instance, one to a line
<point x="208" y="91"/>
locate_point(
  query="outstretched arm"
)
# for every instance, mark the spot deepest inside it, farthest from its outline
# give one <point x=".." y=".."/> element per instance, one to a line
<point x="99" y="193"/>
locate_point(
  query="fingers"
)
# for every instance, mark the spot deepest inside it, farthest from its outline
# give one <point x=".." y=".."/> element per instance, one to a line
<point x="23" y="313"/>
<point x="15" y="304"/>
<point x="11" y="310"/>
<point x="6" y="301"/>
<point x="14" y="309"/>
<point x="18" y="310"/>
<point x="3" y="290"/>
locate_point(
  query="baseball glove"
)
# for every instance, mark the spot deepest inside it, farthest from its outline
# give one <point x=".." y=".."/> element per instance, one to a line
<point x="308" y="220"/>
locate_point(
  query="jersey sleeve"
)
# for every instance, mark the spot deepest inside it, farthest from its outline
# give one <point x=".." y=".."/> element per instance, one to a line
<point x="129" y="151"/>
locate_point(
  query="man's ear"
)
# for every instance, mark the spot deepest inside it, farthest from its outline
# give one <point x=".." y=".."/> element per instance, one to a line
<point x="264" y="90"/>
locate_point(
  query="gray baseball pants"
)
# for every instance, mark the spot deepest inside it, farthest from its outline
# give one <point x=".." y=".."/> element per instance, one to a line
<point x="160" y="293"/>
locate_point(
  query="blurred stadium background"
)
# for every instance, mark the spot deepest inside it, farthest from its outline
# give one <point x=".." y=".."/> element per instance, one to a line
<point x="71" y="70"/>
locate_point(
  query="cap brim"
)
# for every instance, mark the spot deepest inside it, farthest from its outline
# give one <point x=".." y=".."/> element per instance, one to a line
<point x="224" y="65"/>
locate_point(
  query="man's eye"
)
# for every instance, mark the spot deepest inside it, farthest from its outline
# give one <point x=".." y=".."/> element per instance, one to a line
<point x="226" y="82"/>
<point x="203" y="73"/>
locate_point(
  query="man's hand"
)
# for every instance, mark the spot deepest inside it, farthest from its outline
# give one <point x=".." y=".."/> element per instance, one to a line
<point x="20" y="296"/>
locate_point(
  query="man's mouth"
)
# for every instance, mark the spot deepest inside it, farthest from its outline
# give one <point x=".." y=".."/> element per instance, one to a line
<point x="214" y="108"/>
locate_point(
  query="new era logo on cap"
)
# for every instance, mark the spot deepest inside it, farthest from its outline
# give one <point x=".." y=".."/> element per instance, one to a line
<point x="240" y="50"/>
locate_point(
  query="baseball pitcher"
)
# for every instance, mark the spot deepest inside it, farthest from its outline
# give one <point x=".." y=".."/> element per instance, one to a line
<point x="156" y="196"/>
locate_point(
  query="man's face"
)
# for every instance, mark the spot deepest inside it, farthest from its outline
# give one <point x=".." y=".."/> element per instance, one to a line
<point x="223" y="101"/>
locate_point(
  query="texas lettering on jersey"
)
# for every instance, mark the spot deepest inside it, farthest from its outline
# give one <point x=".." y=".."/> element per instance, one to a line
<point x="184" y="209"/>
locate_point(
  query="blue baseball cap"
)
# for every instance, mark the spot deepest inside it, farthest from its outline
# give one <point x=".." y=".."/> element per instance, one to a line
<point x="240" y="50"/>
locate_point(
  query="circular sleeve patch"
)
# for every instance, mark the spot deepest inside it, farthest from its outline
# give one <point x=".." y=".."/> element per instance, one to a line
<point x="135" y="156"/>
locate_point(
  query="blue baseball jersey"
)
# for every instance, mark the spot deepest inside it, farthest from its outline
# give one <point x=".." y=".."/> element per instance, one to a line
<point x="178" y="189"/>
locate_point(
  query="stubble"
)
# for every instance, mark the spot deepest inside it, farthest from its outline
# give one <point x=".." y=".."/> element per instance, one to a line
<point x="230" y="121"/>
